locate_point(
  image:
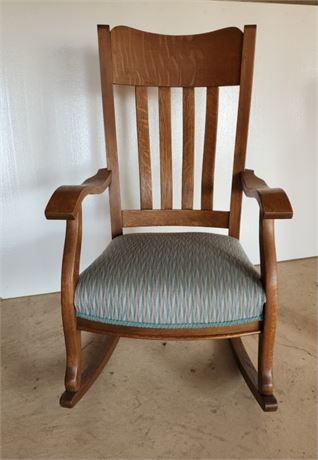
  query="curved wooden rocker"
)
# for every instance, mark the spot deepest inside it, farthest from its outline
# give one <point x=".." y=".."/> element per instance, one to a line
<point x="268" y="402"/>
<point x="125" y="58"/>
<point x="92" y="371"/>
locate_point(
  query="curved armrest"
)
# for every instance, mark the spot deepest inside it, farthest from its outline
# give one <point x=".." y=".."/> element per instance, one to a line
<point x="66" y="200"/>
<point x="273" y="202"/>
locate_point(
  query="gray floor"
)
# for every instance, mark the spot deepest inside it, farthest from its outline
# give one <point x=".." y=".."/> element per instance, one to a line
<point x="185" y="400"/>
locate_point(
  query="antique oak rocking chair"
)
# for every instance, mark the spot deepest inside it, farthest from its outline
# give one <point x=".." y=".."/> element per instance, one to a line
<point x="176" y="286"/>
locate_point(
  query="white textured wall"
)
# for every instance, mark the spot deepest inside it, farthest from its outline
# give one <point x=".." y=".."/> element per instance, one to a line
<point x="51" y="128"/>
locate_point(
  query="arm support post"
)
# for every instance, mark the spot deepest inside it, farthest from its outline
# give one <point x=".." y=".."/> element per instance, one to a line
<point x="70" y="273"/>
<point x="66" y="204"/>
<point x="273" y="204"/>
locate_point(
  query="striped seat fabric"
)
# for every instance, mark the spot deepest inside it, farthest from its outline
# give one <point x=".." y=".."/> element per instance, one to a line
<point x="171" y="280"/>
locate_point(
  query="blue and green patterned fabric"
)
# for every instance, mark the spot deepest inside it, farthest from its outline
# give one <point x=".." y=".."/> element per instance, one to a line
<point x="171" y="280"/>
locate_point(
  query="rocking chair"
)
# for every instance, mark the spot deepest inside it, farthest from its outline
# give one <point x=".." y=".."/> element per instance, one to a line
<point x="172" y="286"/>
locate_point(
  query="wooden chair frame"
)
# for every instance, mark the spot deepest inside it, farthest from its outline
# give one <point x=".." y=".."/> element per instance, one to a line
<point x="66" y="201"/>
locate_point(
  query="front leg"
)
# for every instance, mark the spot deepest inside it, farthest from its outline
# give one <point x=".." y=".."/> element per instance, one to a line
<point x="269" y="277"/>
<point x="260" y="382"/>
<point x="70" y="273"/>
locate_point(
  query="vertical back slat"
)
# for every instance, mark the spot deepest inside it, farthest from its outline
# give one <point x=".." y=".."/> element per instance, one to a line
<point x="143" y="147"/>
<point x="165" y="147"/>
<point x="188" y="148"/>
<point x="211" y="120"/>
<point x="105" y="58"/>
<point x="134" y="68"/>
<point x="242" y="127"/>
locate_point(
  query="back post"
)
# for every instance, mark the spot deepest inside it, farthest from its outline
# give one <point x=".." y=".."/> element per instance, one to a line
<point x="246" y="80"/>
<point x="106" y="74"/>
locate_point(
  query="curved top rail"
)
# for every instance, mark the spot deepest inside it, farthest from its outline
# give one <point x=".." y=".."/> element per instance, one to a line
<point x="150" y="59"/>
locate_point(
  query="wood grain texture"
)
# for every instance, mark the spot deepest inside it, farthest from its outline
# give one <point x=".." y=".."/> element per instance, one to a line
<point x="70" y="398"/>
<point x="269" y="279"/>
<point x="106" y="72"/>
<point x="188" y="149"/>
<point x="273" y="202"/>
<point x="66" y="201"/>
<point x="164" y="100"/>
<point x="196" y="218"/>
<point x="267" y="402"/>
<point x="244" y="104"/>
<point x="139" y="58"/>
<point x="143" y="147"/>
<point x="211" y="123"/>
<point x="70" y="273"/>
<point x="170" y="334"/>
<point x="209" y="59"/>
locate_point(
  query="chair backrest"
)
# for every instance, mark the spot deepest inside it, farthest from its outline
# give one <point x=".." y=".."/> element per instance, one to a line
<point x="221" y="58"/>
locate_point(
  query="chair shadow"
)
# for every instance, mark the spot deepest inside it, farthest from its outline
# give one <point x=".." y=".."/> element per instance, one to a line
<point x="29" y="371"/>
<point x="218" y="367"/>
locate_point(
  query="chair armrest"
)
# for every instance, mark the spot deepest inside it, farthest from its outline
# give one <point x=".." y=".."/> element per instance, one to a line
<point x="273" y="202"/>
<point x="65" y="202"/>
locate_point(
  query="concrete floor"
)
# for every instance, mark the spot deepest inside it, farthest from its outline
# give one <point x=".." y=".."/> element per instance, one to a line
<point x="185" y="400"/>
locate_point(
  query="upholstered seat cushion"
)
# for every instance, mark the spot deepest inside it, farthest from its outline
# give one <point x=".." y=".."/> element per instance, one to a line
<point x="173" y="280"/>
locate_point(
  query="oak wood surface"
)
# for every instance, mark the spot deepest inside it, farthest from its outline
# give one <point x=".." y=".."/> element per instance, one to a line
<point x="106" y="72"/>
<point x="165" y="147"/>
<point x="267" y="402"/>
<point x="143" y="147"/>
<point x="70" y="273"/>
<point x="244" y="104"/>
<point x="269" y="279"/>
<point x="211" y="123"/>
<point x="92" y="371"/>
<point x="144" y="58"/>
<point x="65" y="203"/>
<point x="188" y="149"/>
<point x="197" y="218"/>
<point x="274" y="202"/>
<point x="168" y="333"/>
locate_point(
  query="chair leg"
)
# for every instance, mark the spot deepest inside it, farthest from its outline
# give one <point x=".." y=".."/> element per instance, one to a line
<point x="265" y="363"/>
<point x="97" y="363"/>
<point x="73" y="360"/>
<point x="76" y="382"/>
<point x="253" y="378"/>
